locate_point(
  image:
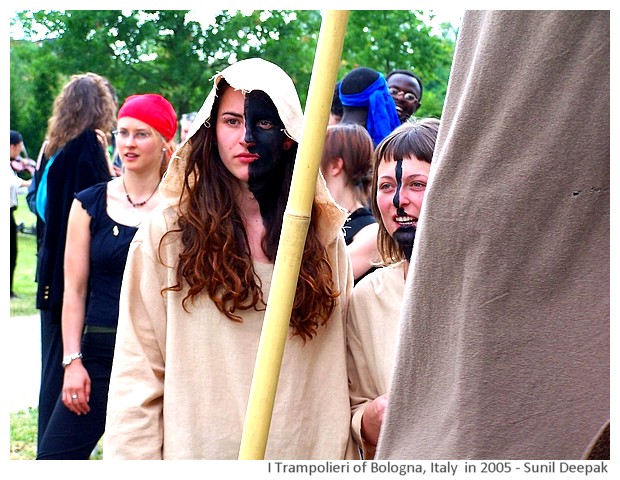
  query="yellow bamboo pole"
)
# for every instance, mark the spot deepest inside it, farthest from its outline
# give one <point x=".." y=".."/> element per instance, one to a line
<point x="293" y="237"/>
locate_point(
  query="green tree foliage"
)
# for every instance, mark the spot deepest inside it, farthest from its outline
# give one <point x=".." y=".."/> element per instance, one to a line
<point x="398" y="39"/>
<point x="161" y="51"/>
<point x="286" y="38"/>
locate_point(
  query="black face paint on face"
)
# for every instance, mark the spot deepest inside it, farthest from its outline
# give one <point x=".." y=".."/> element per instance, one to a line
<point x="405" y="236"/>
<point x="264" y="132"/>
<point x="398" y="172"/>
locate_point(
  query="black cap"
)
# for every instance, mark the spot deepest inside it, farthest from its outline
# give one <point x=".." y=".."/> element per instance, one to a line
<point x="16" y="137"/>
<point x="358" y="80"/>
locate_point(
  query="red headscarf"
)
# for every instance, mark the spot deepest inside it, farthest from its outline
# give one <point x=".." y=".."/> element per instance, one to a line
<point x="152" y="109"/>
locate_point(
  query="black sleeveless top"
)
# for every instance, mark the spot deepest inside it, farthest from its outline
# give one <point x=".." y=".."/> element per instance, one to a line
<point x="356" y="221"/>
<point x="109" y="247"/>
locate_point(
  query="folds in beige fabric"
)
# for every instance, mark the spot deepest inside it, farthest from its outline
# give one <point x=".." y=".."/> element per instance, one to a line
<point x="504" y="345"/>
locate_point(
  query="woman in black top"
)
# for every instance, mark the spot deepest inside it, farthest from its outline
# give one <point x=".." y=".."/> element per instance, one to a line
<point x="347" y="170"/>
<point x="102" y="222"/>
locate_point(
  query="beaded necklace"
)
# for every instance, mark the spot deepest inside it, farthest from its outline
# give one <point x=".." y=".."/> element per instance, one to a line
<point x="140" y="204"/>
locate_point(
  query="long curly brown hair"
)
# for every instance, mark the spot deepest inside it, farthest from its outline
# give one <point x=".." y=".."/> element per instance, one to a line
<point x="86" y="101"/>
<point x="216" y="254"/>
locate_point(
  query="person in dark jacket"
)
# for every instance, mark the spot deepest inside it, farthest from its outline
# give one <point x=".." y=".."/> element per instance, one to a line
<point x="74" y="159"/>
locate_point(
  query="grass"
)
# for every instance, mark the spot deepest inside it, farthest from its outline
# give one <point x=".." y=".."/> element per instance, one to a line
<point x="23" y="424"/>
<point x="24" y="284"/>
<point x="24" y="437"/>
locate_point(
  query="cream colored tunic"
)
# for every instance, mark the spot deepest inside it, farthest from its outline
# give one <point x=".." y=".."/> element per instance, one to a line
<point x="180" y="381"/>
<point x="372" y="330"/>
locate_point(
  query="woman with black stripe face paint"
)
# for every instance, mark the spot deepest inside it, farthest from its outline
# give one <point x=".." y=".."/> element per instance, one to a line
<point x="401" y="167"/>
<point x="197" y="279"/>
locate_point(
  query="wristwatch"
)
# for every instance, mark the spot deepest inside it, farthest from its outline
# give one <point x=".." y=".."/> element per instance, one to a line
<point x="69" y="358"/>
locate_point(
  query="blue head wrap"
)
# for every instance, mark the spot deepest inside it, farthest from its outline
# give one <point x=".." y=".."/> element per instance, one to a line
<point x="382" y="116"/>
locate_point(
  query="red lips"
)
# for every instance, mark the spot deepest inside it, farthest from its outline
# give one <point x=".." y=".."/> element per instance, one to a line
<point x="247" y="157"/>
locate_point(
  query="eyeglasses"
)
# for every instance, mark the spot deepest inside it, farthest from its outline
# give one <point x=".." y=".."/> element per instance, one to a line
<point x="410" y="97"/>
<point x="124" y="135"/>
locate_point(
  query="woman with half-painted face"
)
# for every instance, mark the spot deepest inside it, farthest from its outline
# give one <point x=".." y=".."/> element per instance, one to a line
<point x="198" y="278"/>
<point x="253" y="145"/>
<point x="401" y="168"/>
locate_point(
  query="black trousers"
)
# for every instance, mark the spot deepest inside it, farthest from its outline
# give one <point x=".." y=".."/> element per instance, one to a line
<point x="52" y="373"/>
<point x="73" y="437"/>
<point x="13" y="240"/>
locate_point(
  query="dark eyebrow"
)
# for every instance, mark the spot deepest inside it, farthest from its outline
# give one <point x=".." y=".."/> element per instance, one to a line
<point x="405" y="177"/>
<point x="234" y="114"/>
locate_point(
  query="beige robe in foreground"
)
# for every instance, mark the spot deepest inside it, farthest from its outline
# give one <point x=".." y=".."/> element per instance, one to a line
<point x="504" y="351"/>
<point x="180" y="381"/>
<point x="372" y="328"/>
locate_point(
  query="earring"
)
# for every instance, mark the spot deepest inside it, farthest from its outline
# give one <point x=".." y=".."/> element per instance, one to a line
<point x="163" y="149"/>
